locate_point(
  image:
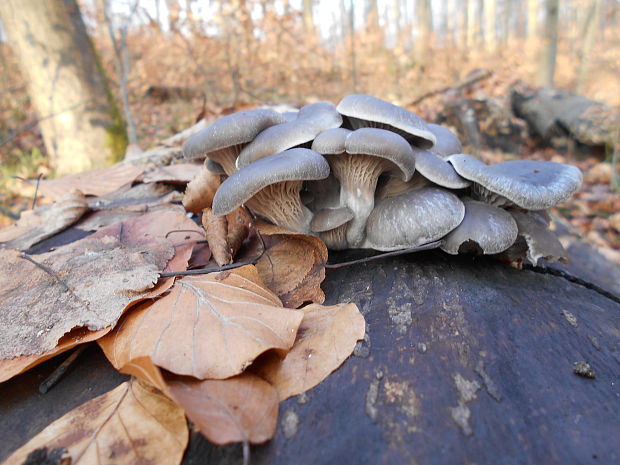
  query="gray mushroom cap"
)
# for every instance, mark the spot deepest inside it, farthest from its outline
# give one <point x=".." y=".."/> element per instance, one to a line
<point x="414" y="218"/>
<point x="447" y="143"/>
<point x="271" y="187"/>
<point x="223" y="140"/>
<point x="369" y="152"/>
<point x="439" y="171"/>
<point x="311" y="120"/>
<point x="214" y="167"/>
<point x="382" y="144"/>
<point x="532" y="185"/>
<point x="485" y="228"/>
<point x="330" y="218"/>
<point x="366" y="111"/>
<point x="331" y="141"/>
<point x="533" y="226"/>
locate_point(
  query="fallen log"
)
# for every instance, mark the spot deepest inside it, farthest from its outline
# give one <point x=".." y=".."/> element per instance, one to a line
<point x="466" y="360"/>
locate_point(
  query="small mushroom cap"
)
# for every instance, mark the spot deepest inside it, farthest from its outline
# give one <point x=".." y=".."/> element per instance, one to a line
<point x="383" y="144"/>
<point x="414" y="218"/>
<point x="231" y="130"/>
<point x="330" y="218"/>
<point x="541" y="242"/>
<point x="439" y="171"/>
<point x="214" y="167"/>
<point x="447" y="143"/>
<point x="290" y="165"/>
<point x="311" y="120"/>
<point x="331" y="141"/>
<point x="532" y="185"/>
<point x="485" y="228"/>
<point x="366" y="111"/>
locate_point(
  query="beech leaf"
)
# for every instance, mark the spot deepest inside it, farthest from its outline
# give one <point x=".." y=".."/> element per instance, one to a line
<point x="181" y="173"/>
<point x="292" y="265"/>
<point x="36" y="225"/>
<point x="95" y="182"/>
<point x="16" y="366"/>
<point x="326" y="338"/>
<point x="86" y="283"/>
<point x="216" y="230"/>
<point x="238" y="409"/>
<point x="132" y="424"/>
<point x="200" y="191"/>
<point x="208" y="326"/>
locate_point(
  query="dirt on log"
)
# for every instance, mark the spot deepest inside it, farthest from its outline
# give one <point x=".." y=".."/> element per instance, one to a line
<point x="466" y="360"/>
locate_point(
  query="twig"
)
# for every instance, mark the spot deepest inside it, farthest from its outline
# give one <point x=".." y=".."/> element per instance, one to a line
<point x="485" y="74"/>
<point x="52" y="379"/>
<point x="212" y="269"/>
<point x="429" y="246"/>
<point x="182" y="230"/>
<point x="48" y="270"/>
<point x="36" y="191"/>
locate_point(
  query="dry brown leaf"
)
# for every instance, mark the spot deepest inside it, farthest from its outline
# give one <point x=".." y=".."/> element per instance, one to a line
<point x="96" y="182"/>
<point x="216" y="230"/>
<point x="238" y="229"/>
<point x="209" y="326"/>
<point x="16" y="366"/>
<point x="200" y="256"/>
<point x="131" y="424"/>
<point x="19" y="365"/>
<point x="200" y="191"/>
<point x="239" y="409"/>
<point x="36" y="225"/>
<point x="326" y="338"/>
<point x="86" y="283"/>
<point x="292" y="265"/>
<point x="181" y="173"/>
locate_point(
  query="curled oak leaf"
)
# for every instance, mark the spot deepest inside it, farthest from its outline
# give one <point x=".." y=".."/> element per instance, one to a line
<point x="200" y="191"/>
<point x="36" y="225"/>
<point x="292" y="265"/>
<point x="16" y="366"/>
<point x="326" y="338"/>
<point x="238" y="229"/>
<point x="216" y="229"/>
<point x="132" y="424"/>
<point x="208" y="326"/>
<point x="87" y="283"/>
<point x="95" y="182"/>
<point x="239" y="409"/>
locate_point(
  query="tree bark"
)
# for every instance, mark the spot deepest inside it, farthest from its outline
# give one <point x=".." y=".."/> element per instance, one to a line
<point x="546" y="67"/>
<point x="424" y="26"/>
<point x="490" y="35"/>
<point x="308" y="16"/>
<point x="81" y="126"/>
<point x="590" y="30"/>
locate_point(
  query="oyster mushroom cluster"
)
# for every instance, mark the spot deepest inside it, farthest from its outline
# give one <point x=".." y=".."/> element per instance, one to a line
<point x="370" y="174"/>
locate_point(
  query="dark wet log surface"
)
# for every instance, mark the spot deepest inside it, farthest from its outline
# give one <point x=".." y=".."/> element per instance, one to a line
<point x="466" y="361"/>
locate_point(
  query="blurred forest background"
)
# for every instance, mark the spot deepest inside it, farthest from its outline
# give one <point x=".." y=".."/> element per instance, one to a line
<point x="170" y="63"/>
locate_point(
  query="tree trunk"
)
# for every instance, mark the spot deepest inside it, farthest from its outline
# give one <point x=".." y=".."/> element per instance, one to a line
<point x="490" y="35"/>
<point x="308" y="15"/>
<point x="546" y="67"/>
<point x="473" y="23"/>
<point x="81" y="126"/>
<point x="424" y="26"/>
<point x="532" y="21"/>
<point x="590" y="30"/>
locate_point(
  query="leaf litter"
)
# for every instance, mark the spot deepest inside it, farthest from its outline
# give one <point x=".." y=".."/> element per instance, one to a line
<point x="226" y="347"/>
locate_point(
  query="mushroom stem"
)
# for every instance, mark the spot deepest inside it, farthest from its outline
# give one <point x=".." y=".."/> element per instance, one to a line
<point x="227" y="157"/>
<point x="335" y="239"/>
<point x="280" y="204"/>
<point x="358" y="176"/>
